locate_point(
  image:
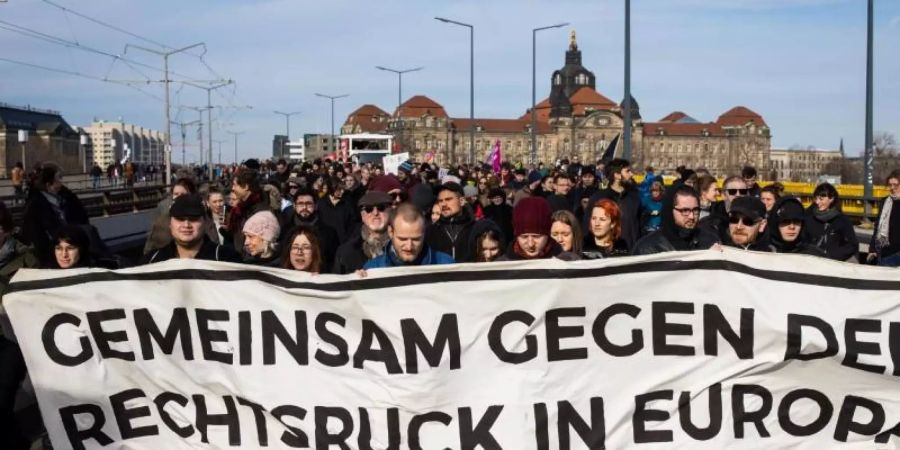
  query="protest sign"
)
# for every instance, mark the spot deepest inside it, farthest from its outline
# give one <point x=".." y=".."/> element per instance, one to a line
<point x="689" y="350"/>
<point x="392" y="163"/>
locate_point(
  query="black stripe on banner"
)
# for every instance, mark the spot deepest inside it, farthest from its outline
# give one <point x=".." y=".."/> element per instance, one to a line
<point x="466" y="275"/>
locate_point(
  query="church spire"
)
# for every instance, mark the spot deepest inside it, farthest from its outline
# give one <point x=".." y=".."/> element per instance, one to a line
<point x="573" y="45"/>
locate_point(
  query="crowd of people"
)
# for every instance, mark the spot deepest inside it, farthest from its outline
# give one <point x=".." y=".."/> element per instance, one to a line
<point x="341" y="218"/>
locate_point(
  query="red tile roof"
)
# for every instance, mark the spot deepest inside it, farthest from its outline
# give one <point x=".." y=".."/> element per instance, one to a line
<point x="674" y="116"/>
<point x="369" y="118"/>
<point x="740" y="116"/>
<point x="421" y="105"/>
<point x="585" y="96"/>
<point x="500" y="125"/>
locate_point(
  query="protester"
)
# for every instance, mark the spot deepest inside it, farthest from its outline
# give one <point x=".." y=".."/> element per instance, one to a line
<point x="747" y="224"/>
<point x="499" y="211"/>
<point x="407" y="245"/>
<point x="885" y="244"/>
<point x="603" y="239"/>
<point x="769" y="196"/>
<point x="302" y="250"/>
<point x="679" y="229"/>
<point x="531" y="230"/>
<point x="827" y="226"/>
<point x="622" y="190"/>
<point x="304" y="213"/>
<point x="159" y="235"/>
<point x="748" y="173"/>
<point x="652" y="205"/>
<point x="786" y="229"/>
<point x="50" y="206"/>
<point x="487" y="241"/>
<point x="187" y="222"/>
<point x="708" y="187"/>
<point x="261" y="233"/>
<point x="335" y="211"/>
<point x="451" y="233"/>
<point x="717" y="220"/>
<point x="71" y="248"/>
<point x="561" y="199"/>
<point x="249" y="194"/>
<point x="369" y="242"/>
<point x="566" y="231"/>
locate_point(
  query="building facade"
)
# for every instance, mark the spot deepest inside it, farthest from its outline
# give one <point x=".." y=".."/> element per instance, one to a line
<point x="317" y="146"/>
<point x="279" y="146"/>
<point x="50" y="138"/>
<point x="805" y="165"/>
<point x="574" y="121"/>
<point x="118" y="141"/>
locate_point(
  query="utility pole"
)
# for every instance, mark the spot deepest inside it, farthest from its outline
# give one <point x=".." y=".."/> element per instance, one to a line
<point x="626" y="109"/>
<point x="534" y="88"/>
<point x="235" y="134"/>
<point x="209" y="90"/>
<point x="471" y="83"/>
<point x="332" y="98"/>
<point x="166" y="81"/>
<point x="869" y="153"/>
<point x="399" y="95"/>
<point x="287" y="118"/>
<point x="183" y="126"/>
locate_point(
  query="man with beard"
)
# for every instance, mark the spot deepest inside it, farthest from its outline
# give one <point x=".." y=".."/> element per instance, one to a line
<point x="450" y="234"/>
<point x="717" y="220"/>
<point x="374" y="208"/>
<point x="187" y="222"/>
<point x="407" y="245"/>
<point x="335" y="210"/>
<point x="678" y="230"/>
<point x="623" y="191"/>
<point x="746" y="224"/>
<point x="786" y="229"/>
<point x="303" y="212"/>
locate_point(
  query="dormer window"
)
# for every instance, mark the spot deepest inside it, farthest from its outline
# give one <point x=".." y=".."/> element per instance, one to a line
<point x="581" y="79"/>
<point x="557" y="79"/>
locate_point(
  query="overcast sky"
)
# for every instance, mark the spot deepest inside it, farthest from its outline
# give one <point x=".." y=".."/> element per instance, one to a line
<point x="798" y="63"/>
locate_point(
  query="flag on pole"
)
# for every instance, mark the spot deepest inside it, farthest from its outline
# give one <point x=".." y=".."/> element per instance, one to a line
<point x="494" y="157"/>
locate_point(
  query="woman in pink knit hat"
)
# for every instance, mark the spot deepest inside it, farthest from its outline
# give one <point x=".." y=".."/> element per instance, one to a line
<point x="261" y="233"/>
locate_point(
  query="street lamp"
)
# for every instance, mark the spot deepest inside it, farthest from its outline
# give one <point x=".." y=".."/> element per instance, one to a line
<point x="868" y="153"/>
<point x="23" y="139"/>
<point x="287" y="118"/>
<point x="533" y="87"/>
<point x="399" y="94"/>
<point x="471" y="82"/>
<point x="332" y="98"/>
<point x="83" y="142"/>
<point x="236" y="134"/>
<point x="626" y="109"/>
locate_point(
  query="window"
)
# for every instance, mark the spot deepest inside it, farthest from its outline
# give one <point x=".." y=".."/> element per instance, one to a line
<point x="557" y="80"/>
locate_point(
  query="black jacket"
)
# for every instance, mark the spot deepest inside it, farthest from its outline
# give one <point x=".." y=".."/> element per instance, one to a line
<point x="590" y="250"/>
<point x="717" y="220"/>
<point x="342" y="217"/>
<point x="670" y="237"/>
<point x="556" y="251"/>
<point x="328" y="237"/>
<point x="41" y="221"/>
<point x="777" y="244"/>
<point x="480" y="228"/>
<point x="209" y="251"/>
<point x="832" y="233"/>
<point x="502" y="216"/>
<point x="451" y="234"/>
<point x="893" y="245"/>
<point x="349" y="257"/>
<point x="630" y="206"/>
<point x="559" y="203"/>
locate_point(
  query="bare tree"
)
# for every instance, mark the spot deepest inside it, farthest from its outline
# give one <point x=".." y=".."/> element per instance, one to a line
<point x="885" y="144"/>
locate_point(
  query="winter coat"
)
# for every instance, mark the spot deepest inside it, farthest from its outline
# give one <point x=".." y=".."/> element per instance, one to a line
<point x="427" y="257"/>
<point x="328" y="238"/>
<point x="590" y="250"/>
<point x="349" y="256"/>
<point x="209" y="251"/>
<point x="451" y="234"/>
<point x="41" y="220"/>
<point x="341" y="217"/>
<point x="893" y="246"/>
<point x="832" y="232"/>
<point x="670" y="237"/>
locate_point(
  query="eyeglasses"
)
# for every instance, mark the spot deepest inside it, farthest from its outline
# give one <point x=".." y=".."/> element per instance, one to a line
<point x="737" y="191"/>
<point x="687" y="211"/>
<point x="304" y="204"/>
<point x="748" y="222"/>
<point x="369" y="208"/>
<point x="301" y="249"/>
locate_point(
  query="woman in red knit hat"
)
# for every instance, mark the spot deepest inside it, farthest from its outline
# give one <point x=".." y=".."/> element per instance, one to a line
<point x="531" y="228"/>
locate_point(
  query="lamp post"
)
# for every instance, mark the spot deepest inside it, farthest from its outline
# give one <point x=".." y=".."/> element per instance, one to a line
<point x="471" y="83"/>
<point x="399" y="94"/>
<point x="209" y="107"/>
<point x="235" y="134"/>
<point x="868" y="153"/>
<point x="332" y="98"/>
<point x="534" y="88"/>
<point x="83" y="142"/>
<point x="23" y="139"/>
<point x="287" y="118"/>
<point x="626" y="109"/>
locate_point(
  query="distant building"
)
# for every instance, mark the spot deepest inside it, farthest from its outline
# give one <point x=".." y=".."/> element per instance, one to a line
<point x="317" y="146"/>
<point x="279" y="146"/>
<point x="50" y="138"/>
<point x="110" y="140"/>
<point x="576" y="122"/>
<point x="804" y="165"/>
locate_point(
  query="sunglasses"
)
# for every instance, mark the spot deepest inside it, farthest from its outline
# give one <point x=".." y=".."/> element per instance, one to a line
<point x="369" y="208"/>
<point x="748" y="222"/>
<point x="737" y="191"/>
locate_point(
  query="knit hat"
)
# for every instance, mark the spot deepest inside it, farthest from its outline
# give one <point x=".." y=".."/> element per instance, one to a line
<point x="534" y="176"/>
<point x="470" y="191"/>
<point x="406" y="166"/>
<point x="263" y="224"/>
<point x="531" y="216"/>
<point x="384" y="183"/>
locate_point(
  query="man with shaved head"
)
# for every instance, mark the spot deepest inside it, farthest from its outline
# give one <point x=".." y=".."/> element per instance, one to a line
<point x="407" y="246"/>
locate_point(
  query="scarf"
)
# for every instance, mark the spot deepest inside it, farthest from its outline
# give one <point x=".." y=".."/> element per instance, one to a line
<point x="545" y="252"/>
<point x="56" y="203"/>
<point x="826" y="216"/>
<point x="236" y="220"/>
<point x="884" y="222"/>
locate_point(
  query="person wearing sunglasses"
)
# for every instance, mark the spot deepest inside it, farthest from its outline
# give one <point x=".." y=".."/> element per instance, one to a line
<point x="828" y="227"/>
<point x="733" y="188"/>
<point x="786" y="231"/>
<point x="747" y="224"/>
<point x="679" y="229"/>
<point x="885" y="245"/>
<point x="369" y="241"/>
<point x="304" y="213"/>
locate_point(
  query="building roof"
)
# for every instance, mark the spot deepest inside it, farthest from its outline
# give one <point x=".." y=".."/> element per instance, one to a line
<point x="587" y="98"/>
<point x="740" y="116"/>
<point x="420" y="105"/>
<point x="369" y="118"/>
<point x="33" y="119"/>
<point x="500" y="125"/>
<point x="673" y="116"/>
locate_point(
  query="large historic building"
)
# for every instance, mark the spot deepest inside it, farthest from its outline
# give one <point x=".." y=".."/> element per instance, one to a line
<point x="50" y="138"/>
<point x="575" y="121"/>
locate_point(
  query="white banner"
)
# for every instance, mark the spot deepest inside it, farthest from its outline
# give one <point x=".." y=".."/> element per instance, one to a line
<point x="686" y="350"/>
<point x="392" y="163"/>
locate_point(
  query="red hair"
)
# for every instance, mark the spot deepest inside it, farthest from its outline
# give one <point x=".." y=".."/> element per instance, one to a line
<point x="615" y="215"/>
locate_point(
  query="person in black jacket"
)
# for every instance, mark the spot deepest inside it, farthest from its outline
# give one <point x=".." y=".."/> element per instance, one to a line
<point x="304" y="213"/>
<point x="827" y="226"/>
<point x="50" y="206"/>
<point x="187" y="222"/>
<point x="336" y="211"/>
<point x="561" y="199"/>
<point x="623" y="191"/>
<point x="747" y="224"/>
<point x="499" y="211"/>
<point x="679" y="229"/>
<point x="370" y="240"/>
<point x="786" y="229"/>
<point x="885" y="244"/>
<point x="450" y="234"/>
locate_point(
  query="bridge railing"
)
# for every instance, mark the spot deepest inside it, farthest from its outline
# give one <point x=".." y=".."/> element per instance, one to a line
<point x="104" y="202"/>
